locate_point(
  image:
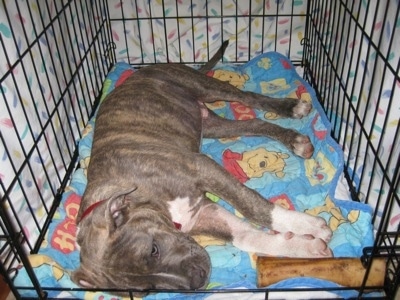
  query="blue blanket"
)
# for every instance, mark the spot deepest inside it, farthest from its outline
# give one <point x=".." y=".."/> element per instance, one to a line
<point x="295" y="183"/>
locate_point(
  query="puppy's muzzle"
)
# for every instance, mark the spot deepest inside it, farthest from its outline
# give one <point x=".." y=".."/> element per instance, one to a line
<point x="198" y="276"/>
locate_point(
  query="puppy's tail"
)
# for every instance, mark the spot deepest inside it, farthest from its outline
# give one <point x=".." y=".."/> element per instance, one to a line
<point x="213" y="61"/>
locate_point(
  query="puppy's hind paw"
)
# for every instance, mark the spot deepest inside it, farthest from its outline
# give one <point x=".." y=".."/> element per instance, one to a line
<point x="301" y="109"/>
<point x="302" y="146"/>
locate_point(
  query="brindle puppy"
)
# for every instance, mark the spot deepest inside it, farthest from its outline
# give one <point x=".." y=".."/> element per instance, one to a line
<point x="141" y="207"/>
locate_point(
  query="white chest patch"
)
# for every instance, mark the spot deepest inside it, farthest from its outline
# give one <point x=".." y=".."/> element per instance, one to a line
<point x="181" y="210"/>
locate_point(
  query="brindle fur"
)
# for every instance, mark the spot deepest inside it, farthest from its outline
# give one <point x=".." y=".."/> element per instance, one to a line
<point x="146" y="169"/>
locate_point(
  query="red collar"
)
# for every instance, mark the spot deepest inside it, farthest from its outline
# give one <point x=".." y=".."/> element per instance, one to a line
<point x="94" y="205"/>
<point x="90" y="209"/>
<point x="177" y="225"/>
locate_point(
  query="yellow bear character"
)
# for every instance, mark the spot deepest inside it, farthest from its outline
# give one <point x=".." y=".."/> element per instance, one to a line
<point x="204" y="241"/>
<point x="300" y="93"/>
<point x="271" y="116"/>
<point x="234" y="78"/>
<point x="337" y="217"/>
<point x="264" y="63"/>
<point x="84" y="164"/>
<point x="216" y="105"/>
<point x="88" y="129"/>
<point x="254" y="163"/>
<point x="319" y="170"/>
<point x="274" y="86"/>
<point x="38" y="260"/>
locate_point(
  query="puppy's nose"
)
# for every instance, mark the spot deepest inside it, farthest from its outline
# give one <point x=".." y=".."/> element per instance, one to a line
<point x="198" y="277"/>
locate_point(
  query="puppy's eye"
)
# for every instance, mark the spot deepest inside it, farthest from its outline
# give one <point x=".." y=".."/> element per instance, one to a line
<point x="154" y="251"/>
<point x="263" y="164"/>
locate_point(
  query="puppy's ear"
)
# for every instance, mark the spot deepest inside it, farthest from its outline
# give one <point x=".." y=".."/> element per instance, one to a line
<point x="117" y="208"/>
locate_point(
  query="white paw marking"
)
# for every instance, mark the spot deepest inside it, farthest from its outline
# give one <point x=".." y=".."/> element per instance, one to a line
<point x="284" y="220"/>
<point x="302" y="146"/>
<point x="302" y="109"/>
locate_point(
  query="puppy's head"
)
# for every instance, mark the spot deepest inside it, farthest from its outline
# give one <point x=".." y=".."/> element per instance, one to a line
<point x="127" y="247"/>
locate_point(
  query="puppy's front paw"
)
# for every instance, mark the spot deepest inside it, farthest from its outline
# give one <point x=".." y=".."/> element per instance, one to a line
<point x="318" y="248"/>
<point x="301" y="109"/>
<point x="302" y="246"/>
<point x="300" y="224"/>
<point x="320" y="229"/>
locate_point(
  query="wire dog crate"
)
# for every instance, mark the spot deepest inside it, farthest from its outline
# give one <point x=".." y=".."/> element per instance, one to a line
<point x="55" y="56"/>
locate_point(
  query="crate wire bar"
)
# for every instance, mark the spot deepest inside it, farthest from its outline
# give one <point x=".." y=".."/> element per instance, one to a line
<point x="79" y="73"/>
<point x="210" y="15"/>
<point x="339" y="90"/>
<point x="56" y="56"/>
